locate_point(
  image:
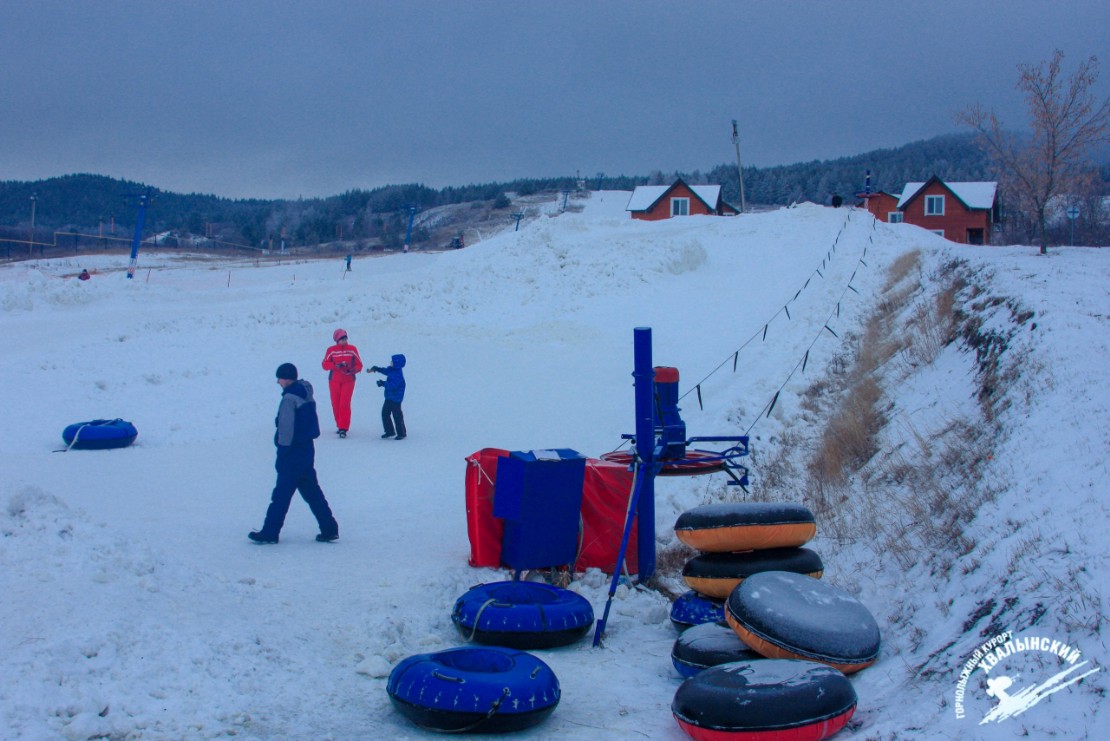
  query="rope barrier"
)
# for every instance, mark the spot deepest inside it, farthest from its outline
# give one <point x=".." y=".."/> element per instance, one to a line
<point x="804" y="361"/>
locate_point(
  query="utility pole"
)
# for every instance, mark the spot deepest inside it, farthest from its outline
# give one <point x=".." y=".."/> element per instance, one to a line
<point x="31" y="246"/>
<point x="739" y="168"/>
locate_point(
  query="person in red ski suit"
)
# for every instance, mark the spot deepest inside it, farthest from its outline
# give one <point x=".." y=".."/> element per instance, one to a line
<point x="344" y="364"/>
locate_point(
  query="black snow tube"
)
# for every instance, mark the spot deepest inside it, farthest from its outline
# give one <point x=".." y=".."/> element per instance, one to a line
<point x="745" y="526"/>
<point x="717" y="574"/>
<point x="522" y="614"/>
<point x="471" y="689"/>
<point x="773" y="700"/>
<point x="792" y="616"/>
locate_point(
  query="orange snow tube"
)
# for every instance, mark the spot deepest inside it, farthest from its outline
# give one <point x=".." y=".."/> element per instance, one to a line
<point x="745" y="526"/>
<point x="792" y="616"/>
<point x="715" y="575"/>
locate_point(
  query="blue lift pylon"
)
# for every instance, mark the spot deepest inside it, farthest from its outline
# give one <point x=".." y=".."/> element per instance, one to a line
<point x="660" y="449"/>
<point x="144" y="201"/>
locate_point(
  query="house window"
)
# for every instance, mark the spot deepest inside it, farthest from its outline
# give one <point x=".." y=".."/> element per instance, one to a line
<point x="894" y="217"/>
<point x="938" y="232"/>
<point x="934" y="205"/>
<point x="680" y="207"/>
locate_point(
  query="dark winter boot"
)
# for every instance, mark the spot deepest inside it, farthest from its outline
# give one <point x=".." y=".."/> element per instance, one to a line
<point x="261" y="538"/>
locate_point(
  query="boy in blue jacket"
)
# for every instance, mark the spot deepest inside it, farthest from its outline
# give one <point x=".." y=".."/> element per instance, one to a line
<point x="393" y="419"/>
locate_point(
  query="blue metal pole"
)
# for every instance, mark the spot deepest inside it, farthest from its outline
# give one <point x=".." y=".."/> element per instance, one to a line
<point x="644" y="377"/>
<point x="408" y="234"/>
<point x="636" y="489"/>
<point x="135" y="241"/>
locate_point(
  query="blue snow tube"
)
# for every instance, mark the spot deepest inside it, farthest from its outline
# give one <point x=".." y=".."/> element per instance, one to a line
<point x="706" y="645"/>
<point x="522" y="614"/>
<point x="479" y="690"/>
<point x="692" y="608"/>
<point x="100" y="434"/>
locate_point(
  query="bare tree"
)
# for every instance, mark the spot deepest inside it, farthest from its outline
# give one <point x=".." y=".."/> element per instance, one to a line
<point x="1067" y="122"/>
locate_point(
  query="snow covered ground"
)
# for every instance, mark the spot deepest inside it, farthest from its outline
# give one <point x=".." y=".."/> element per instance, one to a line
<point x="133" y="605"/>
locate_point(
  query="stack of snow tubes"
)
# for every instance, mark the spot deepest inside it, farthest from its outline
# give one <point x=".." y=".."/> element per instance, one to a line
<point x="737" y="540"/>
<point x="775" y="668"/>
<point x="496" y="687"/>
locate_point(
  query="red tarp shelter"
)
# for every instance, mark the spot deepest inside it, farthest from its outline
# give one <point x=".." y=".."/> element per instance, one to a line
<point x="605" y="492"/>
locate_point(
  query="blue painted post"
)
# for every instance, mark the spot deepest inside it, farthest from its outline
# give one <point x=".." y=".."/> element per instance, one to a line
<point x="144" y="199"/>
<point x="644" y="383"/>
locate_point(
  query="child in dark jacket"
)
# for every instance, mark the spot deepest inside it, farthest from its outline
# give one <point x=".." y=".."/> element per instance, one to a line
<point x="393" y="419"/>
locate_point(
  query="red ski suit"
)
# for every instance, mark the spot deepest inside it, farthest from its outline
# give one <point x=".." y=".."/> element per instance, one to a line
<point x="344" y="364"/>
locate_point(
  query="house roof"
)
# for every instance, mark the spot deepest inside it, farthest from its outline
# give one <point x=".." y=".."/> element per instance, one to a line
<point x="978" y="195"/>
<point x="646" y="196"/>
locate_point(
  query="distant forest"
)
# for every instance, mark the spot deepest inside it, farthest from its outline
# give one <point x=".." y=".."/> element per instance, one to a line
<point x="96" y="205"/>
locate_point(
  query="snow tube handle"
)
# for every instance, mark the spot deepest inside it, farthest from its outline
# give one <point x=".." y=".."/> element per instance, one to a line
<point x="447" y="677"/>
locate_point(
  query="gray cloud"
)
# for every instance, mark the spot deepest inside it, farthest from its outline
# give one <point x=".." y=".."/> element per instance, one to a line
<point x="282" y="99"/>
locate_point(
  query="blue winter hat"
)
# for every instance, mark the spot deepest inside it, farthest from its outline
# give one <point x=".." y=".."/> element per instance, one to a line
<point x="288" y="371"/>
<point x="398" y="361"/>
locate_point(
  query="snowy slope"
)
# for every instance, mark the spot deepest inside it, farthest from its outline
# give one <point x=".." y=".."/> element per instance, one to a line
<point x="134" y="606"/>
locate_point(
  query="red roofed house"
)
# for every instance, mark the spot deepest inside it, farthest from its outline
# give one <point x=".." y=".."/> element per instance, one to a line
<point x="959" y="212"/>
<point x="881" y="205"/>
<point x="654" y="202"/>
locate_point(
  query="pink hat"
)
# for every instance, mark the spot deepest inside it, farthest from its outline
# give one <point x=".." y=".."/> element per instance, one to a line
<point x="338" y="335"/>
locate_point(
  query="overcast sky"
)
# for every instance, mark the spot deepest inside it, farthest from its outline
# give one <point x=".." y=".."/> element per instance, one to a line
<point x="253" y="98"/>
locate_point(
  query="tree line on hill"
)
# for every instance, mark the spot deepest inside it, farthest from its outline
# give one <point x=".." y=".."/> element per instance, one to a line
<point x="82" y="204"/>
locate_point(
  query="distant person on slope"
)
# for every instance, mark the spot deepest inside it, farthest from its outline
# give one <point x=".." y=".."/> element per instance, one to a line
<point x="343" y="364"/>
<point x="297" y="426"/>
<point x="84" y="274"/>
<point x="393" y="419"/>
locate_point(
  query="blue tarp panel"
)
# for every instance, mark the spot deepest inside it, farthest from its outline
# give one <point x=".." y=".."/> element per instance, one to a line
<point x="539" y="497"/>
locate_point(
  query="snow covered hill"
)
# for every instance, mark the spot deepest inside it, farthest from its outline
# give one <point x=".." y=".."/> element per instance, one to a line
<point x="135" y="607"/>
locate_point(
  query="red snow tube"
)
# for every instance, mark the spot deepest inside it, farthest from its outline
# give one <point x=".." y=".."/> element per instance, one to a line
<point x="766" y="700"/>
<point x="696" y="462"/>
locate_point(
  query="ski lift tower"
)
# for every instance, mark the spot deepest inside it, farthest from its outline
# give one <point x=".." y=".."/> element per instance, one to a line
<point x="144" y="201"/>
<point x="408" y="234"/>
<point x="661" y="448"/>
